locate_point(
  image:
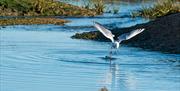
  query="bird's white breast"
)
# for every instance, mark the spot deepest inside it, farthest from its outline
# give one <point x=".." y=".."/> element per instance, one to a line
<point x="116" y="44"/>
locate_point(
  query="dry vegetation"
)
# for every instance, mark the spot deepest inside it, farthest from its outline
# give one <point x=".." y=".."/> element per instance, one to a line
<point x="29" y="21"/>
<point x="161" y="8"/>
<point x="41" y="8"/>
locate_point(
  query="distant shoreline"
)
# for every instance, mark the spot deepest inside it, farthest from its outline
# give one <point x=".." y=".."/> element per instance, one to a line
<point x="162" y="34"/>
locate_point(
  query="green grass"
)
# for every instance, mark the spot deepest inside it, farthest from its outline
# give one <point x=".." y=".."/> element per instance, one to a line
<point x="161" y="8"/>
<point x="41" y="8"/>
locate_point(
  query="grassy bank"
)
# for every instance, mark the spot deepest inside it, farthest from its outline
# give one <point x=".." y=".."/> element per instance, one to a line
<point x="41" y="8"/>
<point x="162" y="34"/>
<point x="30" y="21"/>
<point x="161" y="8"/>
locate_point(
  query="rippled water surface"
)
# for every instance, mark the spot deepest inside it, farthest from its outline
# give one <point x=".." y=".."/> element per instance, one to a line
<point x="45" y="58"/>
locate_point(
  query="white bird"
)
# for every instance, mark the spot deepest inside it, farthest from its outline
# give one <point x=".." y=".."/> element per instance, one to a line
<point x="107" y="33"/>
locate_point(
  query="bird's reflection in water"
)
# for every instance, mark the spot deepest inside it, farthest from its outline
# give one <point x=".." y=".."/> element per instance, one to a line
<point x="112" y="77"/>
<point x="118" y="80"/>
<point x="115" y="72"/>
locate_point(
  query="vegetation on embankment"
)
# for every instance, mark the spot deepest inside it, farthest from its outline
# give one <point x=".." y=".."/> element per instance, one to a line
<point x="30" y="21"/>
<point x="42" y="8"/>
<point x="161" y="8"/>
<point x="162" y="34"/>
<point x="39" y="8"/>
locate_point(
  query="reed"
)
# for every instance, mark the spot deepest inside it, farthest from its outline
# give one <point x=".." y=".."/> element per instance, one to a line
<point x="96" y="5"/>
<point x="161" y="8"/>
<point x="99" y="6"/>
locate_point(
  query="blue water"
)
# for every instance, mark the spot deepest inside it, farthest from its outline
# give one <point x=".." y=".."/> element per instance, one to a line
<point x="45" y="58"/>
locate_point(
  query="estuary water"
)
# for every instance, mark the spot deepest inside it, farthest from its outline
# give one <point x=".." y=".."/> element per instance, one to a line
<point x="45" y="58"/>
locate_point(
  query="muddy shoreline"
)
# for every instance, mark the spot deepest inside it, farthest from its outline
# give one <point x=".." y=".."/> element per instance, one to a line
<point x="31" y="21"/>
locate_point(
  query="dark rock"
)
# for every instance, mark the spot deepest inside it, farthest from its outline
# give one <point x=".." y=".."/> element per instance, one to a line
<point x="103" y="89"/>
<point x="161" y="34"/>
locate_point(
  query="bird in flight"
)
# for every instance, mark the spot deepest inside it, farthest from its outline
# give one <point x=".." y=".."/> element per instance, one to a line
<point x="115" y="43"/>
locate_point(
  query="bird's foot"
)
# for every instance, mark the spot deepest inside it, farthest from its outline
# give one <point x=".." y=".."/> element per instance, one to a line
<point x="108" y="57"/>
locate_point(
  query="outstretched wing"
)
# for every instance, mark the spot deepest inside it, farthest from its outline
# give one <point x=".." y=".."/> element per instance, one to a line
<point x="129" y="35"/>
<point x="107" y="33"/>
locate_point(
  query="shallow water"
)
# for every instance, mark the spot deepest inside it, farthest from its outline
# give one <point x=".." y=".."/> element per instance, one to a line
<point x="45" y="58"/>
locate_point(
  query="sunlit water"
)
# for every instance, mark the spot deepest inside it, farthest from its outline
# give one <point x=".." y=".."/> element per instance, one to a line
<point x="45" y="58"/>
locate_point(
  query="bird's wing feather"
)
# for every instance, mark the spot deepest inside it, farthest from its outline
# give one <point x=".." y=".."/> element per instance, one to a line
<point x="129" y="35"/>
<point x="107" y="33"/>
